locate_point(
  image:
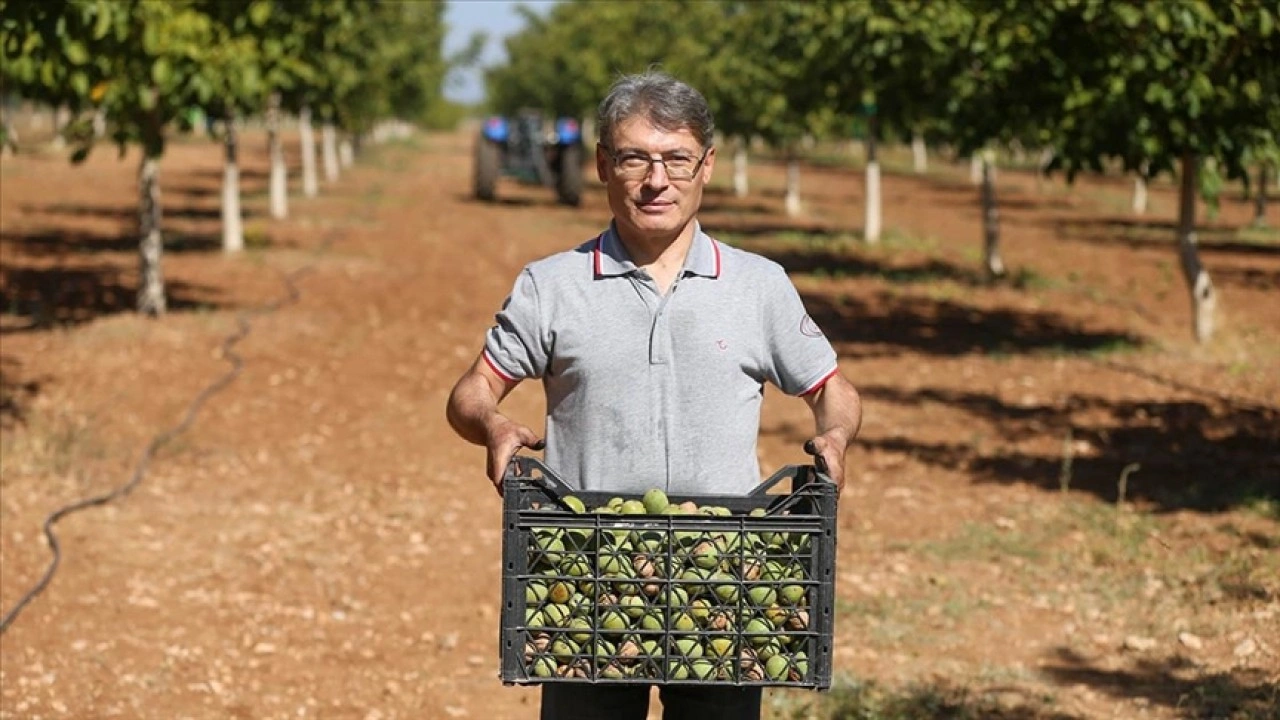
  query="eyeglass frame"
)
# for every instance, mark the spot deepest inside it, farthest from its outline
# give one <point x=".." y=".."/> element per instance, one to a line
<point x="613" y="156"/>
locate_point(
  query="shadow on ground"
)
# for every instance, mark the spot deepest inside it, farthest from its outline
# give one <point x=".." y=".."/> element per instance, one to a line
<point x="1144" y="234"/>
<point x="886" y="323"/>
<point x="127" y="214"/>
<point x="1174" y="682"/>
<point x="1199" y="455"/>
<point x="55" y="297"/>
<point x="937" y="700"/>
<point x="44" y="243"/>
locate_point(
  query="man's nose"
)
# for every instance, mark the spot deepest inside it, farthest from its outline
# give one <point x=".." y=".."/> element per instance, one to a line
<point x="657" y="177"/>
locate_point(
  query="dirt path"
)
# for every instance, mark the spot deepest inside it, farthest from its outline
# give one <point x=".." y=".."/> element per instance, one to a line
<point x="321" y="545"/>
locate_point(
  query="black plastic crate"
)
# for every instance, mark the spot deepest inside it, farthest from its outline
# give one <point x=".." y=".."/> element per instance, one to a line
<point x="605" y="597"/>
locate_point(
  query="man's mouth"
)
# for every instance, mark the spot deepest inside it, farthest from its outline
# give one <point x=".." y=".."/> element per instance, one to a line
<point x="654" y="205"/>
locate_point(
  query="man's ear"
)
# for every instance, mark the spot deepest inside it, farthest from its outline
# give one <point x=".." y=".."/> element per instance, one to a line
<point x="708" y="165"/>
<point x="602" y="163"/>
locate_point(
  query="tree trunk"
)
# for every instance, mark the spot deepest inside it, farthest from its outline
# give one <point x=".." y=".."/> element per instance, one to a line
<point x="99" y="123"/>
<point x="792" y="201"/>
<point x="919" y="154"/>
<point x="329" y="151"/>
<point x="232" y="225"/>
<point x="871" y="210"/>
<point x="10" y="130"/>
<point x="279" y="184"/>
<point x="151" y="300"/>
<point x="1140" y="191"/>
<point x="346" y="154"/>
<point x="1204" y="300"/>
<point x="990" y="220"/>
<point x="1260" y="199"/>
<point x="310" y="187"/>
<point x="975" y="168"/>
<point x="740" y="184"/>
<point x="1042" y="166"/>
<point x="61" y="116"/>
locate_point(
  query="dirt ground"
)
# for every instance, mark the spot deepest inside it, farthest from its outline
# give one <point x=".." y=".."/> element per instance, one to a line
<point x="1060" y="506"/>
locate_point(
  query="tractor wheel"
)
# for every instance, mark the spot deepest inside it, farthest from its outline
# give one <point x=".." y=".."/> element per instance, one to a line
<point x="569" y="177"/>
<point x="487" y="161"/>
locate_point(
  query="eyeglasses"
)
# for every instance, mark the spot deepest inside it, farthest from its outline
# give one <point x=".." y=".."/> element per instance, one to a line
<point x="679" y="165"/>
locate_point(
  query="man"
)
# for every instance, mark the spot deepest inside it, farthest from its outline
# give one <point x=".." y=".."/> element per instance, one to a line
<point x="653" y="342"/>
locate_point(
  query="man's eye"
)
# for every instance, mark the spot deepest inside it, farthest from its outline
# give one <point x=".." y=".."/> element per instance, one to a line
<point x="633" y="161"/>
<point x="679" y="161"/>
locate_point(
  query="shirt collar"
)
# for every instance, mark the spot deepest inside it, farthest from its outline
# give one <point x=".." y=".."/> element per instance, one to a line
<point x="610" y="258"/>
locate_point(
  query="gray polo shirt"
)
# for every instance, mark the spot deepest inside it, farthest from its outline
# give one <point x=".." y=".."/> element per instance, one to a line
<point x="645" y="390"/>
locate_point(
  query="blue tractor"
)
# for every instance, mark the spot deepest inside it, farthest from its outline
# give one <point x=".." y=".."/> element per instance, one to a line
<point x="532" y="149"/>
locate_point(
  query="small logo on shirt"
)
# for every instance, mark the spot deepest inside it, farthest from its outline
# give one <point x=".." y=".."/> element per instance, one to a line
<point x="809" y="328"/>
<point x="722" y="345"/>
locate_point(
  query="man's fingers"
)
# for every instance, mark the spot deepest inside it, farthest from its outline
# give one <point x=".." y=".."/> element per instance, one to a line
<point x="819" y="460"/>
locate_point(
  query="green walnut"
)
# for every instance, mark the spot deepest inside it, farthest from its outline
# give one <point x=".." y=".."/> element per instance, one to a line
<point x="777" y="668"/>
<point x="655" y="501"/>
<point x="543" y="667"/>
<point x="721" y="647"/>
<point x="762" y="595"/>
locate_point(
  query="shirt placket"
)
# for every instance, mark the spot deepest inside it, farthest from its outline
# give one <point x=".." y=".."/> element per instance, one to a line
<point x="661" y="370"/>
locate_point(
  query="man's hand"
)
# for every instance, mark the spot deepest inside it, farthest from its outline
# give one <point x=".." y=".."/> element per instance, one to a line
<point x="828" y="451"/>
<point x="505" y="437"/>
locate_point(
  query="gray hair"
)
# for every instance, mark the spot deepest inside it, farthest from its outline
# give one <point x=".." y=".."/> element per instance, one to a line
<point x="669" y="104"/>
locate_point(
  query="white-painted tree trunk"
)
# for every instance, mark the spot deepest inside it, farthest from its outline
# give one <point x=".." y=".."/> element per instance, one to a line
<point x="975" y="168"/>
<point x="278" y="184"/>
<point x="872" y="208"/>
<point x="61" y="116"/>
<point x="1204" y="300"/>
<point x="1139" y="194"/>
<point x="919" y="154"/>
<point x="151" y="299"/>
<point x="871" y="229"/>
<point x="1260" y="199"/>
<point x="346" y="154"/>
<point x="307" y="138"/>
<point x="792" y="200"/>
<point x="232" y="221"/>
<point x="589" y="131"/>
<point x="99" y="123"/>
<point x="990" y="219"/>
<point x="10" y="129"/>
<point x="1042" y="166"/>
<point x="740" y="181"/>
<point x="329" y="151"/>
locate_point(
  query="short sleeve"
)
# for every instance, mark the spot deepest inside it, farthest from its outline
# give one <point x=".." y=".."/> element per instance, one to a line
<point x="799" y="358"/>
<point x="514" y="347"/>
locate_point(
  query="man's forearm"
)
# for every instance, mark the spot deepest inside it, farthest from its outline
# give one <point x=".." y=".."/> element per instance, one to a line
<point x="472" y="406"/>
<point x="838" y="410"/>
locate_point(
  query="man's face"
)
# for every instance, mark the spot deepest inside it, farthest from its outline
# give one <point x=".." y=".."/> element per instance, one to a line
<point x="655" y="205"/>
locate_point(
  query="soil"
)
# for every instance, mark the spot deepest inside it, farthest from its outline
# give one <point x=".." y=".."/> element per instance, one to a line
<point x="318" y="543"/>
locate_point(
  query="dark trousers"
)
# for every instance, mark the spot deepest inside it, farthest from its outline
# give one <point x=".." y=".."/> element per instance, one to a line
<point x="631" y="702"/>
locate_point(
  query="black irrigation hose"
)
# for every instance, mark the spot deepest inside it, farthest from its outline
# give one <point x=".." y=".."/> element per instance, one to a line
<point x="237" y="365"/>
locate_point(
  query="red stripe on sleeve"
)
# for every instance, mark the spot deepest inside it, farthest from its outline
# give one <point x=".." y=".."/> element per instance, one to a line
<point x="818" y="385"/>
<point x="497" y="370"/>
